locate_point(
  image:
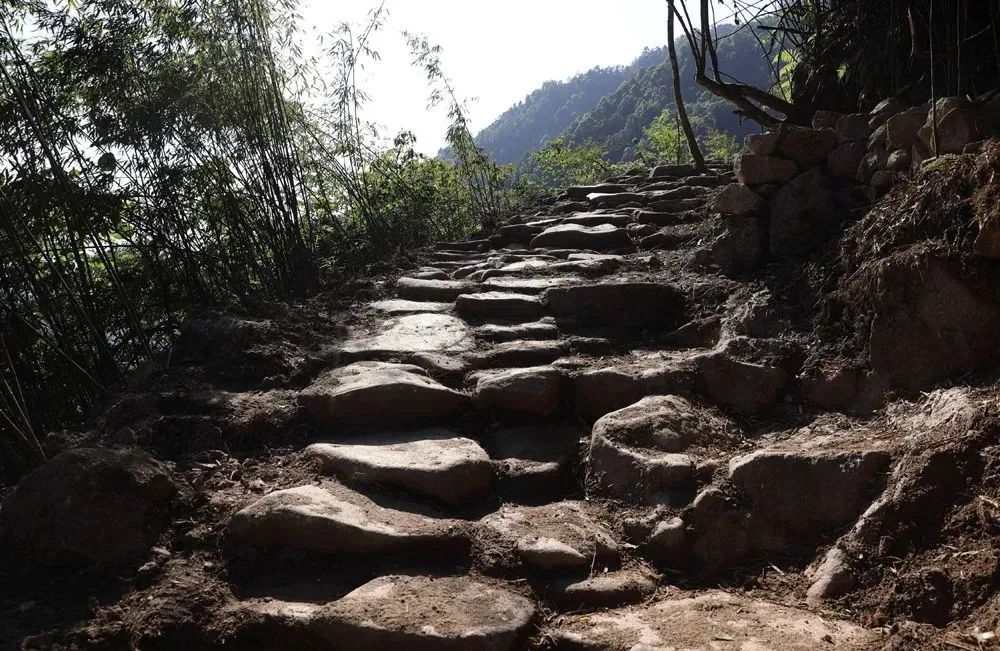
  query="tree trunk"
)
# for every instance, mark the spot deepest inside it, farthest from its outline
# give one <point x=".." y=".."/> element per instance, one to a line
<point x="699" y="160"/>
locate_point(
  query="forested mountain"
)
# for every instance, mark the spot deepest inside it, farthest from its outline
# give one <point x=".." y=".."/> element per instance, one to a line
<point x="613" y="106"/>
<point x="549" y="110"/>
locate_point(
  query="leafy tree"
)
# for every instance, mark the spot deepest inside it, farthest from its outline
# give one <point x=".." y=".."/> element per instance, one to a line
<point x="558" y="165"/>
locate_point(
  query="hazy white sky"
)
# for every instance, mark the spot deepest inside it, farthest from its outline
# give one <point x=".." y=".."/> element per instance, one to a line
<point x="495" y="51"/>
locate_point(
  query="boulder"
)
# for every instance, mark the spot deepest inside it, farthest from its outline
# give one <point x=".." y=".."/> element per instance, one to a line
<point x="804" y="214"/>
<point x="737" y="200"/>
<point x="496" y="304"/>
<point x="956" y="129"/>
<point x="761" y="144"/>
<point x="338" y="520"/>
<point x="373" y="393"/>
<point x="88" y="506"/>
<point x="755" y="169"/>
<point x="524" y="390"/>
<point x="898" y="161"/>
<point x="740" y="244"/>
<point x="424" y="613"/>
<point x="885" y="110"/>
<point x="879" y="138"/>
<point x="902" y="129"/>
<point x="805" y="147"/>
<point x="874" y="161"/>
<point x="623" y="303"/>
<point x="853" y="128"/>
<point x="435" y="463"/>
<point x="575" y="236"/>
<point x="828" y="119"/>
<point x="843" y="161"/>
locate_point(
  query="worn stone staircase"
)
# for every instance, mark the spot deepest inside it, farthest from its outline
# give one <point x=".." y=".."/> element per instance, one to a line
<point x="551" y="438"/>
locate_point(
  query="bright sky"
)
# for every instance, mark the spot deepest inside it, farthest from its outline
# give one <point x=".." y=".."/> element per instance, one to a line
<point x="497" y="52"/>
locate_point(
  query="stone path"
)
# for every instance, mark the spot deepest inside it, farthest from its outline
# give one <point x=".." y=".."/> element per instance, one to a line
<point x="460" y="431"/>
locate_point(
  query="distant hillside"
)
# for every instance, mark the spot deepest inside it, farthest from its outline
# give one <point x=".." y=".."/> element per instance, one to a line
<point x="549" y="110"/>
<point x="620" y="118"/>
<point x="613" y="106"/>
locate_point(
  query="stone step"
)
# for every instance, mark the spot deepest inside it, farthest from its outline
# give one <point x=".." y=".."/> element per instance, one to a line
<point x="402" y="307"/>
<point x="565" y="536"/>
<point x="463" y="246"/>
<point x="621" y="303"/>
<point x="435" y="463"/>
<point x="409" y="612"/>
<point x="378" y="393"/>
<point x="534" y="462"/>
<point x="599" y="238"/>
<point x="708" y="621"/>
<point x="415" y="289"/>
<point x="502" y="305"/>
<point x="534" y="390"/>
<point x="334" y="519"/>
<point x="603" y="590"/>
<point x="412" y="333"/>
<point x="518" y="285"/>
<point x="534" y="330"/>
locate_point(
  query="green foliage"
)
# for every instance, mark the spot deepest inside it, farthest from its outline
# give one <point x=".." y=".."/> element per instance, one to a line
<point x="559" y="165"/>
<point x="663" y="141"/>
<point x="720" y="145"/>
<point x="158" y="156"/>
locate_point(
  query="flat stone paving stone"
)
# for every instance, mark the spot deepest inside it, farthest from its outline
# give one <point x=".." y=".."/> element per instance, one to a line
<point x="575" y="236"/>
<point x="708" y="622"/>
<point x="436" y="463"/>
<point x="562" y="535"/>
<point x="526" y="390"/>
<point x="537" y="330"/>
<point x="335" y="519"/>
<point x="416" y="289"/>
<point x="422" y="613"/>
<point x="500" y="305"/>
<point x="415" y="333"/>
<point x="378" y="393"/>
<point x="526" y="285"/>
<point x="399" y="306"/>
<point x="604" y="590"/>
